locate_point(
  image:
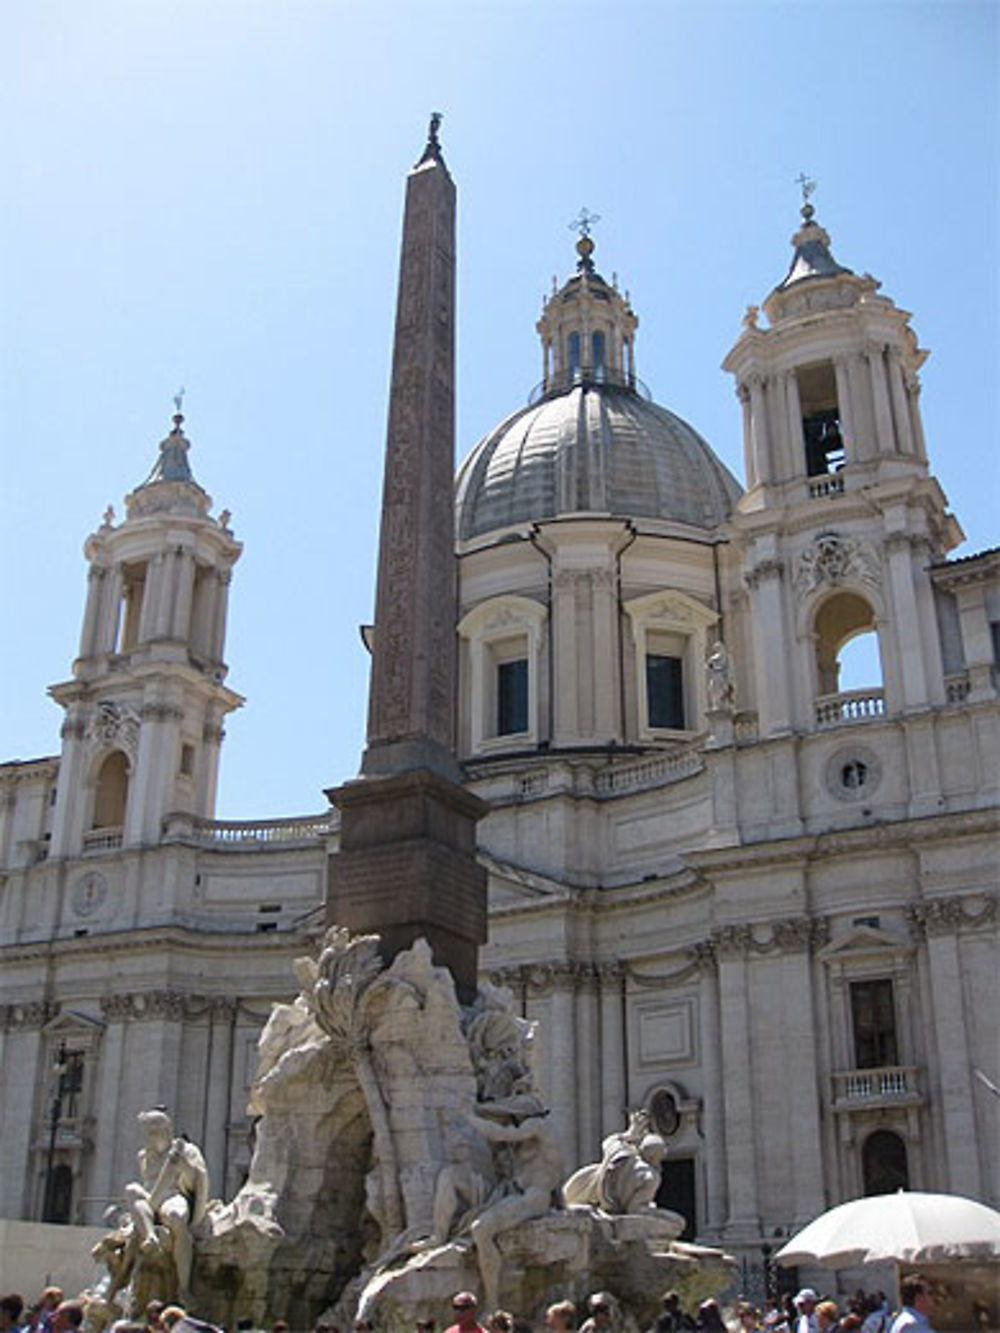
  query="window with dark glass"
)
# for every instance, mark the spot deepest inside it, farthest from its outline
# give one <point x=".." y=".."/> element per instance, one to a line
<point x="573" y="348"/>
<point x="598" y="345"/>
<point x="512" y="697"/>
<point x="665" y="691"/>
<point x="873" y="1015"/>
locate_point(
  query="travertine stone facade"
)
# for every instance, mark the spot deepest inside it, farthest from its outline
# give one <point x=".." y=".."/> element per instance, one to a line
<point x="774" y="923"/>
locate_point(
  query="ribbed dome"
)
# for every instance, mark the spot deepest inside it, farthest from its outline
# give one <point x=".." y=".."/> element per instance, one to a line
<point x="596" y="448"/>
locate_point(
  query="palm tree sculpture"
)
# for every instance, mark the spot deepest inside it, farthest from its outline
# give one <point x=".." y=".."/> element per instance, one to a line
<point x="348" y="979"/>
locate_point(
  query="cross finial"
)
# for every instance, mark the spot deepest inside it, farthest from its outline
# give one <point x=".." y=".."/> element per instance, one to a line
<point x="178" y="405"/>
<point x="583" y="221"/>
<point x="807" y="187"/>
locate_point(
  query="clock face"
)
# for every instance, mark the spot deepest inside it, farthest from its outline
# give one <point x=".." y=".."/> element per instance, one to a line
<point x="89" y="893"/>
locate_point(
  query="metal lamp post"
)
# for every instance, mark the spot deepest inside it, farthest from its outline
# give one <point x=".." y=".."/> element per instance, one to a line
<point x="59" y="1069"/>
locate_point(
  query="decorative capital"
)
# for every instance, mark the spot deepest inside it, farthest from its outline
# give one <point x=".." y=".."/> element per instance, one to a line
<point x="763" y="572"/>
<point x="161" y="713"/>
<point x="35" y="1014"/>
<point x="143" y="1006"/>
<point x="731" y="942"/>
<point x="944" y="916"/>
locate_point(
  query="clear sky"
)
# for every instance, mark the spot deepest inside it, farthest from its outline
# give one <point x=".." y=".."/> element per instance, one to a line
<point x="208" y="193"/>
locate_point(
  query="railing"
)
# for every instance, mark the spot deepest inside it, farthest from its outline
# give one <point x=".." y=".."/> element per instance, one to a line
<point x="856" y="1088"/>
<point x="826" y="486"/>
<point x="102" y="840"/>
<point x="664" y="768"/>
<point x="850" y="706"/>
<point x="586" y="376"/>
<point x="957" y="687"/>
<point x="241" y="834"/>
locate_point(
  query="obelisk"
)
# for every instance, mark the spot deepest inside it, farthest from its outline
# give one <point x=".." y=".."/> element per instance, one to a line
<point x="407" y="861"/>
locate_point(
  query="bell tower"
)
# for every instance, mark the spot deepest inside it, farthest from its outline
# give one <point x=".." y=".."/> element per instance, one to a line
<point x="145" y="706"/>
<point x="841" y="516"/>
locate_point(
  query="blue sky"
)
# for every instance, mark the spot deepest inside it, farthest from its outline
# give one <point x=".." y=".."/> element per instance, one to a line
<point x="209" y="193"/>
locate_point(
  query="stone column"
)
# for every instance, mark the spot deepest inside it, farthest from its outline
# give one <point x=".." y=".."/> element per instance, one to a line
<point x="161" y="612"/>
<point x="607" y="691"/>
<point x="613" y="1106"/>
<point x="91" y="615"/>
<point x="150" y="596"/>
<point x="107" y="634"/>
<point x="180" y="627"/>
<point x="749" y="459"/>
<point x="562" y="1049"/>
<point x="113" y="1137"/>
<point x="713" y="1095"/>
<point x="218" y="1081"/>
<point x="796" y="439"/>
<point x="761" y="434"/>
<point x="941" y="918"/>
<point x="886" y="442"/>
<point x="900" y="405"/>
<point x="588" y="1127"/>
<point x="862" y="412"/>
<point x="845" y="407"/>
<point x="732" y="944"/>
<point x="24" y="1049"/>
<point x="912" y="383"/>
<point x="906" y="617"/>
<point x="67" y="818"/>
<point x="563" y="646"/>
<point x="798" y="1038"/>
<point x="774" y="700"/>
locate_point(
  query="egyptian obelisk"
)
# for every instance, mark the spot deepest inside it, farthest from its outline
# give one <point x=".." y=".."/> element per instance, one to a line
<point x="407" y="861"/>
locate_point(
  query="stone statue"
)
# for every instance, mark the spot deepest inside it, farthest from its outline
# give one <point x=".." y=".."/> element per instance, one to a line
<point x="719" y="679"/>
<point x="152" y="1251"/>
<point x="532" y="1185"/>
<point x="627" y="1177"/>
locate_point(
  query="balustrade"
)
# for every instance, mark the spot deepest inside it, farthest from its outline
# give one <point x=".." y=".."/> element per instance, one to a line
<point x="849" y="706"/>
<point x="889" y="1085"/>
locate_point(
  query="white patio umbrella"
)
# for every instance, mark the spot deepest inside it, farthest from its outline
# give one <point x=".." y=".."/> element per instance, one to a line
<point x="908" y="1227"/>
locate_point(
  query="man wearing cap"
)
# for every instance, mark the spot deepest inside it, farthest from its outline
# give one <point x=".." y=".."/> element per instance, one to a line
<point x="465" y="1308"/>
<point x="805" y="1303"/>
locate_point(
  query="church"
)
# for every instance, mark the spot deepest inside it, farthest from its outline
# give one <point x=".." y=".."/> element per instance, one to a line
<point x="733" y="892"/>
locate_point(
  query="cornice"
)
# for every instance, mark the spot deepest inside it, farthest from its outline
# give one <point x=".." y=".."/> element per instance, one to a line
<point x="814" y="846"/>
<point x="151" y="938"/>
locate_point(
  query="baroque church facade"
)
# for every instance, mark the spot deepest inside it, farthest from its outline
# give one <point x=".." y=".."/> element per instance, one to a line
<point x="758" y="904"/>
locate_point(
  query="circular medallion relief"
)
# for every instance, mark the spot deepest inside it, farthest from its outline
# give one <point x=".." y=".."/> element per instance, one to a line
<point x="853" y="773"/>
<point x="89" y="893"/>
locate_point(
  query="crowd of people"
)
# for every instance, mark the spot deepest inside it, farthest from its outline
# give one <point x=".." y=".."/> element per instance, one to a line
<point x="806" y="1312"/>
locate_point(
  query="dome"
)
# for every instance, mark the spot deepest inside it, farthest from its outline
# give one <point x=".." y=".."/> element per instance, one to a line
<point x="595" y="448"/>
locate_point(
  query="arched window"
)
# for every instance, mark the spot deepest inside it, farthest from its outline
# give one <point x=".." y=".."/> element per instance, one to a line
<point x="598" y="345"/>
<point x="883" y="1163"/>
<point x="112" y="792"/>
<point x="573" y="357"/>
<point x="847" y="656"/>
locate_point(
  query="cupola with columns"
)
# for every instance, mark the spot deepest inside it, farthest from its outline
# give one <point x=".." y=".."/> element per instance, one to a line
<point x="587" y="327"/>
<point x="145" y="707"/>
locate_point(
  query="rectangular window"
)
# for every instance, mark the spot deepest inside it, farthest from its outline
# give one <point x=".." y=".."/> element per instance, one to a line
<point x="187" y="760"/>
<point x="665" y="691"/>
<point x="873" y="1015"/>
<point x="512" y="697"/>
